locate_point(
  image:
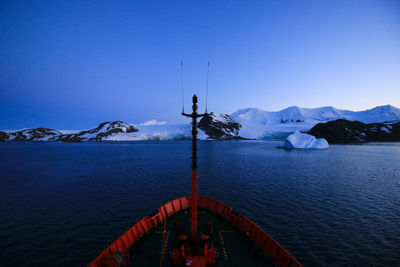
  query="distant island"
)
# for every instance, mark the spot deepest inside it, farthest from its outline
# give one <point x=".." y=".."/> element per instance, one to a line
<point x="381" y="123"/>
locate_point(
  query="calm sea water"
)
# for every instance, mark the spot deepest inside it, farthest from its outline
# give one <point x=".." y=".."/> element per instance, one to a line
<point x="62" y="204"/>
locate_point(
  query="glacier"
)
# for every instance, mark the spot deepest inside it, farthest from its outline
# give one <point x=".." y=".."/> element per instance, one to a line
<point x="154" y="131"/>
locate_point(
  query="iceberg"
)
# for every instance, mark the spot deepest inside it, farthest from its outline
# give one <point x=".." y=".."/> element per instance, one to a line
<point x="301" y="140"/>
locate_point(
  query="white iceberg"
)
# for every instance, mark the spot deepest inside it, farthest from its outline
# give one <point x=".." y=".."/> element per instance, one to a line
<point x="301" y="140"/>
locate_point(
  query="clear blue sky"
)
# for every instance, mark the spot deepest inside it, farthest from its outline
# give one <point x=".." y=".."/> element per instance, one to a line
<point x="74" y="64"/>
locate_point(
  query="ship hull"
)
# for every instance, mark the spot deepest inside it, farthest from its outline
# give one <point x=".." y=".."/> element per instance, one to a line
<point x="245" y="241"/>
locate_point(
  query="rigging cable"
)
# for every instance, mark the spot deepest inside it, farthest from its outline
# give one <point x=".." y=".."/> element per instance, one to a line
<point x="208" y="71"/>
<point x="183" y="100"/>
<point x="209" y="54"/>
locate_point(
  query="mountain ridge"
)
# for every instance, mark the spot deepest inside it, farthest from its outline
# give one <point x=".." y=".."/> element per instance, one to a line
<point x="250" y="123"/>
<point x="325" y="113"/>
<point x="261" y="124"/>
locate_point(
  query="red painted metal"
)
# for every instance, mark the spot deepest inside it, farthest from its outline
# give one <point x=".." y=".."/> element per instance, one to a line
<point x="185" y="255"/>
<point x="205" y="237"/>
<point x="194" y="254"/>
<point x="210" y="227"/>
<point x="196" y="261"/>
<point x="194" y="205"/>
<point x="279" y="255"/>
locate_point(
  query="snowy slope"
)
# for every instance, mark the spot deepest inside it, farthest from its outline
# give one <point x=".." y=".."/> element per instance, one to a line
<point x="120" y="131"/>
<point x="38" y="134"/>
<point x="154" y="130"/>
<point x="100" y="133"/>
<point x="262" y="124"/>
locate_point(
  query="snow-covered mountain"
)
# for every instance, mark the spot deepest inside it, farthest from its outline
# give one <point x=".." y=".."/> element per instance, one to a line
<point x="100" y="133"/>
<point x="262" y="124"/>
<point x="214" y="126"/>
<point x="106" y="131"/>
<point x="38" y="134"/>
<point x="297" y="114"/>
<point x="249" y="123"/>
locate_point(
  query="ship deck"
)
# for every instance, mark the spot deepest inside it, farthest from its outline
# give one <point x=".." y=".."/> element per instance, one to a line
<point x="234" y="247"/>
<point x="238" y="240"/>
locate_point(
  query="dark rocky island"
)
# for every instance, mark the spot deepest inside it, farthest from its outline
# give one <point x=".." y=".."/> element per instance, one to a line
<point x="220" y="126"/>
<point x="344" y="131"/>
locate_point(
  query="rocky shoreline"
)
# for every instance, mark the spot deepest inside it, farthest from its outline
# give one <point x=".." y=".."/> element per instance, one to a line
<point x="344" y="131"/>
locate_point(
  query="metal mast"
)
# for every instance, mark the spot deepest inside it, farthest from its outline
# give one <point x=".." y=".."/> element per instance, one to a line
<point x="194" y="117"/>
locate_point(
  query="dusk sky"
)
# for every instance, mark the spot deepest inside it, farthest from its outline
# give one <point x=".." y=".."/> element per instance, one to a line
<point x="74" y="64"/>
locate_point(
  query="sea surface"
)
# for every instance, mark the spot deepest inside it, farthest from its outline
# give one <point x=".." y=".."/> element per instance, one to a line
<point x="62" y="204"/>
